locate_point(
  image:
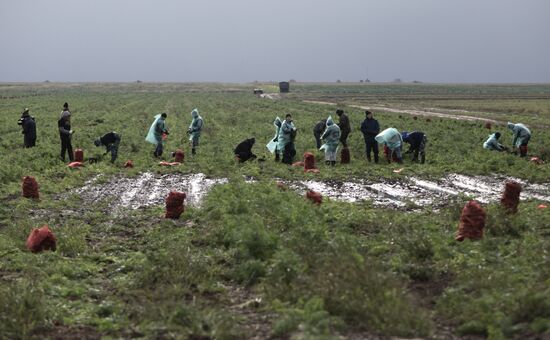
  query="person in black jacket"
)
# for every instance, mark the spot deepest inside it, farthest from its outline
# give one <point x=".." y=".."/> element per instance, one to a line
<point x="29" y="128"/>
<point x="370" y="128"/>
<point x="417" y="141"/>
<point x="111" y="141"/>
<point x="65" y="134"/>
<point x="318" y="130"/>
<point x="243" y="151"/>
<point x="345" y="127"/>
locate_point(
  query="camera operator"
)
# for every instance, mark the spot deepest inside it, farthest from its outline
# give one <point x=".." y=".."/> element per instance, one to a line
<point x="28" y="125"/>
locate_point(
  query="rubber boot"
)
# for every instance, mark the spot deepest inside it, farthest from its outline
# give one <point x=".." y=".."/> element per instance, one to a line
<point x="277" y="157"/>
<point x="333" y="163"/>
<point x="422" y="158"/>
<point x="368" y="158"/>
<point x="523" y="151"/>
<point x="193" y="151"/>
<point x="327" y="162"/>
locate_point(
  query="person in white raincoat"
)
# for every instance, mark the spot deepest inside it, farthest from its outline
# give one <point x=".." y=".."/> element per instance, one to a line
<point x="156" y="131"/>
<point x="273" y="143"/>
<point x="287" y="133"/>
<point x="194" y="130"/>
<point x="391" y="138"/>
<point x="521" y="137"/>
<point x="331" y="137"/>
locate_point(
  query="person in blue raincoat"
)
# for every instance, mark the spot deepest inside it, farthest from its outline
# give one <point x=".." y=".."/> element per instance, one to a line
<point x="272" y="146"/>
<point x="331" y="137"/>
<point x="287" y="132"/>
<point x="392" y="139"/>
<point x="521" y="137"/>
<point x="194" y="130"/>
<point x="156" y="131"/>
<point x="492" y="143"/>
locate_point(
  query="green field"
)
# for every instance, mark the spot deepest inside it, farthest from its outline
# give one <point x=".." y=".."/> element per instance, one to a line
<point x="257" y="261"/>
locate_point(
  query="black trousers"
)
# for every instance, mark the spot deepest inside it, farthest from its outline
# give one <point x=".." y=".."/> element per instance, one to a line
<point x="113" y="148"/>
<point x="344" y="138"/>
<point x="158" y="150"/>
<point x="66" y="146"/>
<point x="317" y="140"/>
<point x="29" y="142"/>
<point x="371" y="146"/>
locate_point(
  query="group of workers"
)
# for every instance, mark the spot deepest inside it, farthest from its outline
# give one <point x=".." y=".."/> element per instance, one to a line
<point x="325" y="131"/>
<point x="158" y="132"/>
<point x="331" y="134"/>
<point x="521" y="136"/>
<point x="111" y="140"/>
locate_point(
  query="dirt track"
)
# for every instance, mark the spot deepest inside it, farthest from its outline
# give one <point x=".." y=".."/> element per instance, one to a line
<point x="427" y="112"/>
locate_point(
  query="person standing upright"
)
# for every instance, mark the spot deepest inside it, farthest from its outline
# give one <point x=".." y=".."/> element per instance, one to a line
<point x="156" y="132"/>
<point x="370" y="128"/>
<point x="331" y="136"/>
<point x="318" y="131"/>
<point x="345" y="127"/>
<point x="273" y="144"/>
<point x="65" y="133"/>
<point x="287" y="133"/>
<point x="29" y="128"/>
<point x="194" y="130"/>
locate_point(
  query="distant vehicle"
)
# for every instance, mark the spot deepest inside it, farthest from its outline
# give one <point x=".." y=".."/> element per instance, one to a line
<point x="284" y="87"/>
<point x="258" y="91"/>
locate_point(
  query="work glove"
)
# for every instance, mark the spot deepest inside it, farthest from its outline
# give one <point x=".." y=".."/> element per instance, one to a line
<point x="71" y="132"/>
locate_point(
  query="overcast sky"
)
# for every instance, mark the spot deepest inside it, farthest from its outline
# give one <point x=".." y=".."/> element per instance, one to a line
<point x="247" y="40"/>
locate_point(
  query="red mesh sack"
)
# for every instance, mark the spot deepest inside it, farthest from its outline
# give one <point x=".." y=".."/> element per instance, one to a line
<point x="79" y="155"/>
<point x="537" y="160"/>
<point x="387" y="153"/>
<point x="129" y="164"/>
<point x="41" y="239"/>
<point x="510" y="197"/>
<point x="174" y="204"/>
<point x="300" y="163"/>
<point x="179" y="156"/>
<point x="315" y="197"/>
<point x="345" y="156"/>
<point x="75" y="165"/>
<point x="309" y="161"/>
<point x="488" y="125"/>
<point x="472" y="222"/>
<point x="30" y="187"/>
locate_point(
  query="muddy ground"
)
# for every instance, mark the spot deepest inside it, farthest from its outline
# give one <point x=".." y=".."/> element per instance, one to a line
<point x="149" y="189"/>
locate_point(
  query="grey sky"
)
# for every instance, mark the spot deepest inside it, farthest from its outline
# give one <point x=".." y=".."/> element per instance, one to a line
<point x="247" y="40"/>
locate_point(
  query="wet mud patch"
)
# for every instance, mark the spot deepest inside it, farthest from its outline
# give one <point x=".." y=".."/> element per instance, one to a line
<point x="147" y="189"/>
<point x="412" y="192"/>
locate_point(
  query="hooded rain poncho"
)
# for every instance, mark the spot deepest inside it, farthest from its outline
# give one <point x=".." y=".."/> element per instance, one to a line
<point x="492" y="143"/>
<point x="154" y="136"/>
<point x="285" y="135"/>
<point x="390" y="137"/>
<point x="331" y="136"/>
<point x="196" y="126"/>
<point x="520" y="133"/>
<point x="272" y="145"/>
